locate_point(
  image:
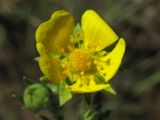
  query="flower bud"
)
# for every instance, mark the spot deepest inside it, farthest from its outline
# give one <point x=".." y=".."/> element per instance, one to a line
<point x="36" y="96"/>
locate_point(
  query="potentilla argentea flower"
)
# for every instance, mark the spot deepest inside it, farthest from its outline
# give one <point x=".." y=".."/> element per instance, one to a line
<point x="76" y="54"/>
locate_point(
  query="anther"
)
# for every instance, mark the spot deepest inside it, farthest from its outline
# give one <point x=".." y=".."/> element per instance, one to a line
<point x="71" y="38"/>
<point x="70" y="48"/>
<point x="95" y="61"/>
<point x="65" y="72"/>
<point x="89" y="65"/>
<point x="57" y="60"/>
<point x="81" y="60"/>
<point x="67" y="66"/>
<point x="78" y="35"/>
<point x="60" y="50"/>
<point x="82" y="73"/>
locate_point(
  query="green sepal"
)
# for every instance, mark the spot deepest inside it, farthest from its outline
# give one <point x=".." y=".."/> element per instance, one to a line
<point x="43" y="78"/>
<point x="53" y="88"/>
<point x="64" y="94"/>
<point x="37" y="59"/>
<point x="77" y="30"/>
<point x="99" y="78"/>
<point x="27" y="81"/>
<point x="55" y="56"/>
<point x="69" y="80"/>
<point x="109" y="89"/>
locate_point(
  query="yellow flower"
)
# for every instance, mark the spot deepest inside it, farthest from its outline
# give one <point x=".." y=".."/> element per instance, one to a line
<point x="78" y="56"/>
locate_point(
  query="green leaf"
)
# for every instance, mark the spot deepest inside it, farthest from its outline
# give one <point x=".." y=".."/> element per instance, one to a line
<point x="64" y="94"/>
<point x="110" y="90"/>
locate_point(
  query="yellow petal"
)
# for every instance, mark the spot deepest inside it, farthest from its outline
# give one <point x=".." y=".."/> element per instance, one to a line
<point x="85" y="86"/>
<point x="97" y="33"/>
<point x="56" y="31"/>
<point x="41" y="49"/>
<point x="52" y="69"/>
<point x="109" y="64"/>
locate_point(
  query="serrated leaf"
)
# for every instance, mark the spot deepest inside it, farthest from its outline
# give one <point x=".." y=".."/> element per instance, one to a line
<point x="64" y="94"/>
<point x="110" y="90"/>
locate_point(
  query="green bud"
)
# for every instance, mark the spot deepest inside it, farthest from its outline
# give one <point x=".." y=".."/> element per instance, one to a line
<point x="36" y="96"/>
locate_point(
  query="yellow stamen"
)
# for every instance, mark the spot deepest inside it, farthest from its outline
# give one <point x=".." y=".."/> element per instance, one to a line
<point x="71" y="38"/>
<point x="65" y="72"/>
<point x="80" y="36"/>
<point x="60" y="50"/>
<point x="66" y="66"/>
<point x="81" y="60"/>
<point x="82" y="73"/>
<point x="58" y="60"/>
<point x="89" y="64"/>
<point x="70" y="48"/>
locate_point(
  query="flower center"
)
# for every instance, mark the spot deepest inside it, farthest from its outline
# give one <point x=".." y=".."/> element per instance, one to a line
<point x="81" y="60"/>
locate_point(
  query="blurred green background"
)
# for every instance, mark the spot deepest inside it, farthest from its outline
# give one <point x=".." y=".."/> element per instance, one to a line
<point x="138" y="81"/>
